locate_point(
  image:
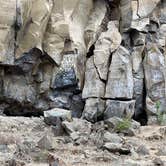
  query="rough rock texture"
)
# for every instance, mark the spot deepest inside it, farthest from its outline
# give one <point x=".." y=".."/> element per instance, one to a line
<point x="78" y="55"/>
<point x="28" y="141"/>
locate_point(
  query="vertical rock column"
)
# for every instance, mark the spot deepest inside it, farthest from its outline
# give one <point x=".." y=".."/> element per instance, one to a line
<point x="7" y="31"/>
<point x="97" y="72"/>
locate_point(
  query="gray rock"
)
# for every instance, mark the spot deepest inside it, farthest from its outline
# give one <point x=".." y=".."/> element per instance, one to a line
<point x="161" y="151"/>
<point x="112" y="122"/>
<point x="46" y="142"/>
<point x="107" y="42"/>
<point x="126" y="14"/>
<point x="112" y="138"/>
<point x="94" y="109"/>
<point x="128" y="132"/>
<point x="77" y="106"/>
<point x="77" y="125"/>
<point x="138" y="38"/>
<point x="95" y="20"/>
<point x="51" y="117"/>
<point x="122" y="109"/>
<point x="120" y="79"/>
<point x="143" y="150"/>
<point x="114" y="148"/>
<point x="93" y="86"/>
<point x="154" y="63"/>
<point x="65" y="79"/>
<point x="158" y="161"/>
<point x="74" y="136"/>
<point x="146" y="7"/>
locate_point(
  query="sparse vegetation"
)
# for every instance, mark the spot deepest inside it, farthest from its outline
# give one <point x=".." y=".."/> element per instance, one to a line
<point x="123" y="125"/>
<point x="161" y="115"/>
<point x="161" y="118"/>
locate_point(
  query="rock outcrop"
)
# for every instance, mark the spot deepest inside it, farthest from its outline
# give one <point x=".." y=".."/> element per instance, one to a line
<point x="98" y="59"/>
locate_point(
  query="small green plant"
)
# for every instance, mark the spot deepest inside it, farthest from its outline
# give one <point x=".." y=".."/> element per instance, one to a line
<point x="161" y="118"/>
<point x="161" y="115"/>
<point x="123" y="125"/>
<point x="158" y="104"/>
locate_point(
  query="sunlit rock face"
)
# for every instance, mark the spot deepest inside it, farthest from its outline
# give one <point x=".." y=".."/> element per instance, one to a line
<point x="97" y="58"/>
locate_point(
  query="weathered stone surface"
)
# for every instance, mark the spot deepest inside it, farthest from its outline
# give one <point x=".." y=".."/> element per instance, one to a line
<point x="17" y="88"/>
<point x="7" y="33"/>
<point x="77" y="125"/>
<point x="161" y="151"/>
<point x="126" y="14"/>
<point x="114" y="148"/>
<point x="52" y="116"/>
<point x="162" y="36"/>
<point x="154" y="66"/>
<point x="94" y="109"/>
<point x="112" y="122"/>
<point x="146" y="7"/>
<point x="120" y="78"/>
<point x="33" y="24"/>
<point x="120" y="109"/>
<point x="112" y="137"/>
<point x="65" y="79"/>
<point x="142" y="150"/>
<point x="108" y="42"/>
<point x="93" y="86"/>
<point x="93" y="28"/>
<point x="46" y="142"/>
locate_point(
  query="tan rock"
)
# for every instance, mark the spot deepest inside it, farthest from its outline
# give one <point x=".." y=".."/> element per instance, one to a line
<point x="34" y="18"/>
<point x="7" y="33"/>
<point x="93" y="86"/>
<point x="108" y="42"/>
<point x="146" y="7"/>
<point x="120" y="78"/>
<point x="92" y="30"/>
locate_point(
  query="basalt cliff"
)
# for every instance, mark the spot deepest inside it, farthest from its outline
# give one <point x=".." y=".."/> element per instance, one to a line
<point x="96" y="58"/>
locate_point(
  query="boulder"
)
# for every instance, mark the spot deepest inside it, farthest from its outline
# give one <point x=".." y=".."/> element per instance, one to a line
<point x="46" y="143"/>
<point x="122" y="109"/>
<point x="112" y="122"/>
<point x="112" y="138"/>
<point x="51" y="117"/>
<point x="161" y="151"/>
<point x="77" y="125"/>
<point x="94" y="109"/>
<point x="114" y="148"/>
<point x="143" y="150"/>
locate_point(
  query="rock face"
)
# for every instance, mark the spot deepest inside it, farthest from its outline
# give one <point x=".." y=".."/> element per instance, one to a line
<point x="98" y="59"/>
